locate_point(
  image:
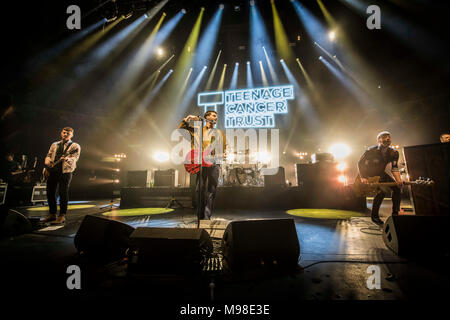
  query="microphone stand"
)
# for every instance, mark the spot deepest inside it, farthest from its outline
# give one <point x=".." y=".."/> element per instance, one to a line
<point x="200" y="174"/>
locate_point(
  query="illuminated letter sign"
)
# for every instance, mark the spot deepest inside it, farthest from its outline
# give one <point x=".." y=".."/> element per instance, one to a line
<point x="249" y="108"/>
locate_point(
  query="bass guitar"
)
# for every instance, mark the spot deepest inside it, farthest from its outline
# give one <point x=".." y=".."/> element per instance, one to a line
<point x="373" y="186"/>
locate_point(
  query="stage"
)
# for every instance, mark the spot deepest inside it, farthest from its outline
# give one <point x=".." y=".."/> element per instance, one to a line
<point x="249" y="198"/>
<point x="334" y="258"/>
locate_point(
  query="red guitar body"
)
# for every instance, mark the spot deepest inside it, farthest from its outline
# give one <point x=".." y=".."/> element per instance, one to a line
<point x="191" y="164"/>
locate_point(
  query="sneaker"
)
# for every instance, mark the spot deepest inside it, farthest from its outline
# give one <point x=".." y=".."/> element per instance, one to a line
<point x="377" y="220"/>
<point x="60" y="220"/>
<point x="50" y="217"/>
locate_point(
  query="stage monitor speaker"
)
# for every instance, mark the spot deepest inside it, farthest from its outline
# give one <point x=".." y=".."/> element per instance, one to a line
<point x="430" y="161"/>
<point x="102" y="239"/>
<point x="256" y="244"/>
<point x="417" y="236"/>
<point x="275" y="180"/>
<point x="168" y="250"/>
<point x="138" y="178"/>
<point x="13" y="223"/>
<point x="166" y="178"/>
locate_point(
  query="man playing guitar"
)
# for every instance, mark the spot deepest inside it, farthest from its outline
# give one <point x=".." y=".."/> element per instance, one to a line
<point x="374" y="162"/>
<point x="211" y="138"/>
<point x="61" y="162"/>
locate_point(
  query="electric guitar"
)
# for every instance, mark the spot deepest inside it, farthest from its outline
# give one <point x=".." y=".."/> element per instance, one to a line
<point x="48" y="170"/>
<point x="366" y="189"/>
<point x="192" y="165"/>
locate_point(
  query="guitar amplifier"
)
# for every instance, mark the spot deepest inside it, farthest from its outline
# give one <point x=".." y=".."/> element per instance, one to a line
<point x="138" y="178"/>
<point x="39" y="193"/>
<point x="166" y="178"/>
<point x="430" y="161"/>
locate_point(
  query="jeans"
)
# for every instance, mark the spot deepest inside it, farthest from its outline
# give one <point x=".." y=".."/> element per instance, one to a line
<point x="209" y="187"/>
<point x="63" y="180"/>
<point x="396" y="197"/>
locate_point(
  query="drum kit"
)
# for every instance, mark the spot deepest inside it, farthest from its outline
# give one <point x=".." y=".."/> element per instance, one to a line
<point x="241" y="174"/>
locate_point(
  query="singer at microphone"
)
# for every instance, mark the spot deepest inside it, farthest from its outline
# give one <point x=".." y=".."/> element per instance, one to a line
<point x="210" y="174"/>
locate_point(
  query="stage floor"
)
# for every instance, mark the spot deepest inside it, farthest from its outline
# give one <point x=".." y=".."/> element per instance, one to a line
<point x="335" y="255"/>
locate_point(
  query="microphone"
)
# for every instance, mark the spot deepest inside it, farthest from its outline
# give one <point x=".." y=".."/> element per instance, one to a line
<point x="207" y="120"/>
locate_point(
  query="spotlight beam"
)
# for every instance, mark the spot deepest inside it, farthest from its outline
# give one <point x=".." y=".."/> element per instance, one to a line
<point x="258" y="39"/>
<point x="234" y="77"/>
<point x="222" y="78"/>
<point x="348" y="83"/>
<point x="281" y="40"/>
<point x="263" y="74"/>
<point x="213" y="71"/>
<point x="249" y="76"/>
<point x="303" y="104"/>
<point x="208" y="40"/>
<point x="272" y="72"/>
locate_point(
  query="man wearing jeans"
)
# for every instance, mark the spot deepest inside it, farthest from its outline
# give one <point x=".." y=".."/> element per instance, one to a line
<point x="61" y="158"/>
<point x="374" y="162"/>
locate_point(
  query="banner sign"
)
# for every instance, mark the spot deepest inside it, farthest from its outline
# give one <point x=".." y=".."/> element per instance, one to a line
<point x="249" y="108"/>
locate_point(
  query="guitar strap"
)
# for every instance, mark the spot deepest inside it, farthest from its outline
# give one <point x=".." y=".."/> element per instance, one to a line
<point x="67" y="148"/>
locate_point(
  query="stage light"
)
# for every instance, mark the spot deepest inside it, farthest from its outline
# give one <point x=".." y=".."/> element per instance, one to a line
<point x="332" y="35"/>
<point x="281" y="60"/>
<point x="128" y="16"/>
<point x="342" y="178"/>
<point x="221" y="6"/>
<point x="116" y="180"/>
<point x="341" y="166"/>
<point x="339" y="151"/>
<point x="252" y="3"/>
<point x="237" y="63"/>
<point x="183" y="11"/>
<point x="159" y="52"/>
<point x="161" y="156"/>
<point x="248" y="62"/>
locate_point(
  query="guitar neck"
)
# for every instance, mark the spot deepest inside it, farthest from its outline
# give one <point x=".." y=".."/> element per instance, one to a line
<point x="392" y="184"/>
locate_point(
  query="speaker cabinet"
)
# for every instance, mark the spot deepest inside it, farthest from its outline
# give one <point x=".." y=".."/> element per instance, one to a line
<point x="138" y="178"/>
<point x="168" y="250"/>
<point x="430" y="161"/>
<point x="103" y="239"/>
<point x="417" y="236"/>
<point x="256" y="244"/>
<point x="275" y="180"/>
<point x="166" y="178"/>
